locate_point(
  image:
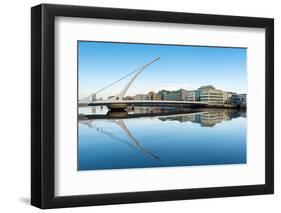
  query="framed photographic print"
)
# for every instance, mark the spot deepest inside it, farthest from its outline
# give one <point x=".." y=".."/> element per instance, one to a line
<point x="139" y="106"/>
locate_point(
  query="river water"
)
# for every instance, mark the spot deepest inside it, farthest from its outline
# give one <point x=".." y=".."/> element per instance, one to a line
<point x="160" y="137"/>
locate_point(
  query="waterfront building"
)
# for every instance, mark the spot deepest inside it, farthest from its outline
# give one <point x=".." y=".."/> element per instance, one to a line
<point x="151" y="96"/>
<point x="141" y="97"/>
<point x="210" y="94"/>
<point x="227" y="96"/>
<point x="128" y="98"/>
<point x="161" y="94"/>
<point x="171" y="96"/>
<point x="239" y="99"/>
<point x="184" y="94"/>
<point x="178" y="95"/>
<point x="158" y="97"/>
<point x="193" y="95"/>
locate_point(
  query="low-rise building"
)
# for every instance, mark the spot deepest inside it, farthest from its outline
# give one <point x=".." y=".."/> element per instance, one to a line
<point x="226" y="96"/>
<point x="178" y="95"/>
<point x="141" y="97"/>
<point x="151" y="95"/>
<point x="193" y="95"/>
<point x="128" y="98"/>
<point x="210" y="94"/>
<point x="158" y="97"/>
<point x="239" y="99"/>
<point x="161" y="94"/>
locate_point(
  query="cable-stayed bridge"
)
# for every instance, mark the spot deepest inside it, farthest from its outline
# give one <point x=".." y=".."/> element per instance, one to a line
<point x="117" y="102"/>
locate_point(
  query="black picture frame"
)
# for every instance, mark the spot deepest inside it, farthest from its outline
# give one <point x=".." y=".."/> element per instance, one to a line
<point x="43" y="101"/>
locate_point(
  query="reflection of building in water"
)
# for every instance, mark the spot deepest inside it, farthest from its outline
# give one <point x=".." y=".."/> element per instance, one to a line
<point x="212" y="118"/>
<point x="134" y="142"/>
<point x="144" y="110"/>
<point x="207" y="118"/>
<point x="236" y="114"/>
<point x="154" y="110"/>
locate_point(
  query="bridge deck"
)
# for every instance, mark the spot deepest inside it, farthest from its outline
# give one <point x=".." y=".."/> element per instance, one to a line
<point x="147" y="103"/>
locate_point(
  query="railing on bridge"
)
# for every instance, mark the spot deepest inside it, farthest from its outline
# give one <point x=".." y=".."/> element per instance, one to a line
<point x="152" y="101"/>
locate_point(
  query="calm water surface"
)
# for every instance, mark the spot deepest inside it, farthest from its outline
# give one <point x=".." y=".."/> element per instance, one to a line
<point x="160" y="137"/>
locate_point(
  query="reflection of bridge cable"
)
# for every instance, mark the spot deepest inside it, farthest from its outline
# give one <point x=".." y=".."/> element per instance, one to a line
<point x="125" y="142"/>
<point x="123" y="126"/>
<point x="113" y="136"/>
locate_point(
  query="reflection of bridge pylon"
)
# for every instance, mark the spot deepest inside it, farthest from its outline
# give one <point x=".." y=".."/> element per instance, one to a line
<point x="134" y="140"/>
<point x="135" y="144"/>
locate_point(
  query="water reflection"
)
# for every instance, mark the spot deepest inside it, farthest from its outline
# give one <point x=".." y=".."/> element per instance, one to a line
<point x="206" y="118"/>
<point x="133" y="142"/>
<point x="146" y="121"/>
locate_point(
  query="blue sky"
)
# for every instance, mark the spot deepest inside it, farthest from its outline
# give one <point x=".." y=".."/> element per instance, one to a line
<point x="187" y="67"/>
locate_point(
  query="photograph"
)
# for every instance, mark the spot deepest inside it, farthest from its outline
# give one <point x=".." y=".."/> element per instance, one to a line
<point x="151" y="105"/>
<point x="136" y="105"/>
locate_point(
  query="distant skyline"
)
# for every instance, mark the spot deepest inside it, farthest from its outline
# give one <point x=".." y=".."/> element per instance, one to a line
<point x="180" y="67"/>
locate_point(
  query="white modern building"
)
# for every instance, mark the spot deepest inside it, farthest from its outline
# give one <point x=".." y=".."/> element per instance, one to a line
<point x="193" y="95"/>
<point x="210" y="94"/>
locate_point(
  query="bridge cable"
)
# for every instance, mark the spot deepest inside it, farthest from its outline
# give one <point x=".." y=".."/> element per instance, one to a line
<point x="111" y="84"/>
<point x="118" y="80"/>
